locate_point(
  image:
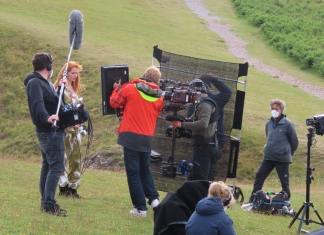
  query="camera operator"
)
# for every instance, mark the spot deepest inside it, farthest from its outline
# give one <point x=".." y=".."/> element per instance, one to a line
<point x="282" y="142"/>
<point x="42" y="103"/>
<point x="142" y="101"/>
<point x="203" y="124"/>
<point x="221" y="98"/>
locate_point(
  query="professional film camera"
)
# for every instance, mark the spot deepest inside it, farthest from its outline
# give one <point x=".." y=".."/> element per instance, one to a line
<point x="318" y="123"/>
<point x="180" y="95"/>
<point x="175" y="100"/>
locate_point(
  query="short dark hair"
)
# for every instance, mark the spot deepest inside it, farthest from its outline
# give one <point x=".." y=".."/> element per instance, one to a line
<point x="41" y="61"/>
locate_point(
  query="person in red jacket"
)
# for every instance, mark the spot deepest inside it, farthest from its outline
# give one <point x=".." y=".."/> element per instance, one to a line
<point x="142" y="101"/>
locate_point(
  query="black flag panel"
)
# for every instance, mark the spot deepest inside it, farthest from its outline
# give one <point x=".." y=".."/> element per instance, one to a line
<point x="171" y="153"/>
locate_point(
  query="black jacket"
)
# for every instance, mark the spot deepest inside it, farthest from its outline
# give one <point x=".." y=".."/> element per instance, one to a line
<point x="42" y="101"/>
<point x="174" y="211"/>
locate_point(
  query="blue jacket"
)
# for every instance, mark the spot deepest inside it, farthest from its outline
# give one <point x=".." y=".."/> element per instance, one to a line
<point x="210" y="218"/>
<point x="282" y="140"/>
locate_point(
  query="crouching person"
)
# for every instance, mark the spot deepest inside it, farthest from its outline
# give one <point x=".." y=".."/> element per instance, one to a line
<point x="209" y="216"/>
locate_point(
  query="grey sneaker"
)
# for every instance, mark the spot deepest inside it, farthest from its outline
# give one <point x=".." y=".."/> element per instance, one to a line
<point x="138" y="213"/>
<point x="247" y="207"/>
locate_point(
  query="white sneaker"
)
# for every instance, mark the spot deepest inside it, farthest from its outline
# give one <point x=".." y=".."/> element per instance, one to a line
<point x="138" y="213"/>
<point x="155" y="203"/>
<point x="247" y="207"/>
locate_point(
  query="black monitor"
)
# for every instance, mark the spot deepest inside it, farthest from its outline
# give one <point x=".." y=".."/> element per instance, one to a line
<point x="109" y="75"/>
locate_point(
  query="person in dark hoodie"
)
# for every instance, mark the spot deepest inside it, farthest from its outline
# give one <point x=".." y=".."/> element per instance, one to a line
<point x="142" y="101"/>
<point x="42" y="103"/>
<point x="209" y="216"/>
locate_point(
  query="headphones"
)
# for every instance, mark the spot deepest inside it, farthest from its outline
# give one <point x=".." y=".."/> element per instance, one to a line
<point x="49" y="67"/>
<point x="226" y="201"/>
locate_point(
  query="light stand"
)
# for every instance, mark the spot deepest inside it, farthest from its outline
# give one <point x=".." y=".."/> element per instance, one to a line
<point x="305" y="207"/>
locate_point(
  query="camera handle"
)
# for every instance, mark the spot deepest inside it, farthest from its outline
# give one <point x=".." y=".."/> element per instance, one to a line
<point x="173" y="139"/>
<point x="307" y="203"/>
<point x="170" y="170"/>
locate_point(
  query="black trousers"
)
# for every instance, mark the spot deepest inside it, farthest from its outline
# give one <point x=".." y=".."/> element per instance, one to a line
<point x="202" y="157"/>
<point x="213" y="165"/>
<point x="265" y="169"/>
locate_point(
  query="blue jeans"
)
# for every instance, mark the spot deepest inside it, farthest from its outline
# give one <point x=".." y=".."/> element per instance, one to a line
<point x="139" y="178"/>
<point x="52" y="147"/>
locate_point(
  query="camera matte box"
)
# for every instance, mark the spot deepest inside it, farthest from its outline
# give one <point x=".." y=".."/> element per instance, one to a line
<point x="109" y="75"/>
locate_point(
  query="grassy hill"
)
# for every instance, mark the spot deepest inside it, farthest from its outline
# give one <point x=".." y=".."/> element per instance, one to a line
<point x="125" y="32"/>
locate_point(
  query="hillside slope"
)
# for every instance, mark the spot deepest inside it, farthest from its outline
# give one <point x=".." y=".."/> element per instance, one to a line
<point x="116" y="33"/>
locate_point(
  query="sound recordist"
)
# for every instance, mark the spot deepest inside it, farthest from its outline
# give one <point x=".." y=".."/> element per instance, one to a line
<point x="42" y="102"/>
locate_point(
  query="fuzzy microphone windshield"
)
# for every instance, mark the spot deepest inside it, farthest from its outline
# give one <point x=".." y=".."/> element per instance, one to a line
<point x="76" y="29"/>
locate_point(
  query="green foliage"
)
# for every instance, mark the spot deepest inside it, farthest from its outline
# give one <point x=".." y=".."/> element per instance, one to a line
<point x="293" y="27"/>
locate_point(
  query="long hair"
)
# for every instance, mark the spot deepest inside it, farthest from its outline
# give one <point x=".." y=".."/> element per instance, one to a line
<point x="77" y="84"/>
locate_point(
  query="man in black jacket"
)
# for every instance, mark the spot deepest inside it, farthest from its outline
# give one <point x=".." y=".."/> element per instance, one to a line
<point x="42" y="103"/>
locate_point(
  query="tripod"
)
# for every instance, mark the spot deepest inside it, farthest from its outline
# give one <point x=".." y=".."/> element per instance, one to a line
<point x="305" y="207"/>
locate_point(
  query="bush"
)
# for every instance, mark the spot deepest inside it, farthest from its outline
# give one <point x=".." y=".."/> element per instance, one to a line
<point x="295" y="29"/>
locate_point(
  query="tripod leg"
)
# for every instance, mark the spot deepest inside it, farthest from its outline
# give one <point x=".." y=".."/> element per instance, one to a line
<point x="302" y="218"/>
<point x="318" y="216"/>
<point x="296" y="217"/>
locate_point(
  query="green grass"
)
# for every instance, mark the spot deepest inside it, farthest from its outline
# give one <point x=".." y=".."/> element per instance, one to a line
<point x="106" y="207"/>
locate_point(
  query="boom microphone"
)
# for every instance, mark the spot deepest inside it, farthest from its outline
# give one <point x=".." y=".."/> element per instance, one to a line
<point x="75" y="37"/>
<point x="76" y="29"/>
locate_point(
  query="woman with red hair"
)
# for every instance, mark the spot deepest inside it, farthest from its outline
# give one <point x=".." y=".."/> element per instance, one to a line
<point x="70" y="179"/>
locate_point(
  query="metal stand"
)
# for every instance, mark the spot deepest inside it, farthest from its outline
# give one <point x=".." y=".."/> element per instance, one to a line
<point x="305" y="207"/>
<point x="170" y="170"/>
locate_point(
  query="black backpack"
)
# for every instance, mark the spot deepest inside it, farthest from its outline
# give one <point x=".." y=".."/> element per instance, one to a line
<point x="271" y="203"/>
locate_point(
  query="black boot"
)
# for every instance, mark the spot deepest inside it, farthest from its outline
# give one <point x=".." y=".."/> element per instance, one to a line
<point x="75" y="194"/>
<point x="63" y="190"/>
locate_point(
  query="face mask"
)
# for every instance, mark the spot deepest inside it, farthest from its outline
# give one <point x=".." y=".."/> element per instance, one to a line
<point x="274" y="113"/>
<point x="51" y="75"/>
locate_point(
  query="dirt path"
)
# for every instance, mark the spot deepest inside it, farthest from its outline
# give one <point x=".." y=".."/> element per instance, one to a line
<point x="237" y="47"/>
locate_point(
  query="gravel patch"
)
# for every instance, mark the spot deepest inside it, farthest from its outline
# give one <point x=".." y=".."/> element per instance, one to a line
<point x="236" y="46"/>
